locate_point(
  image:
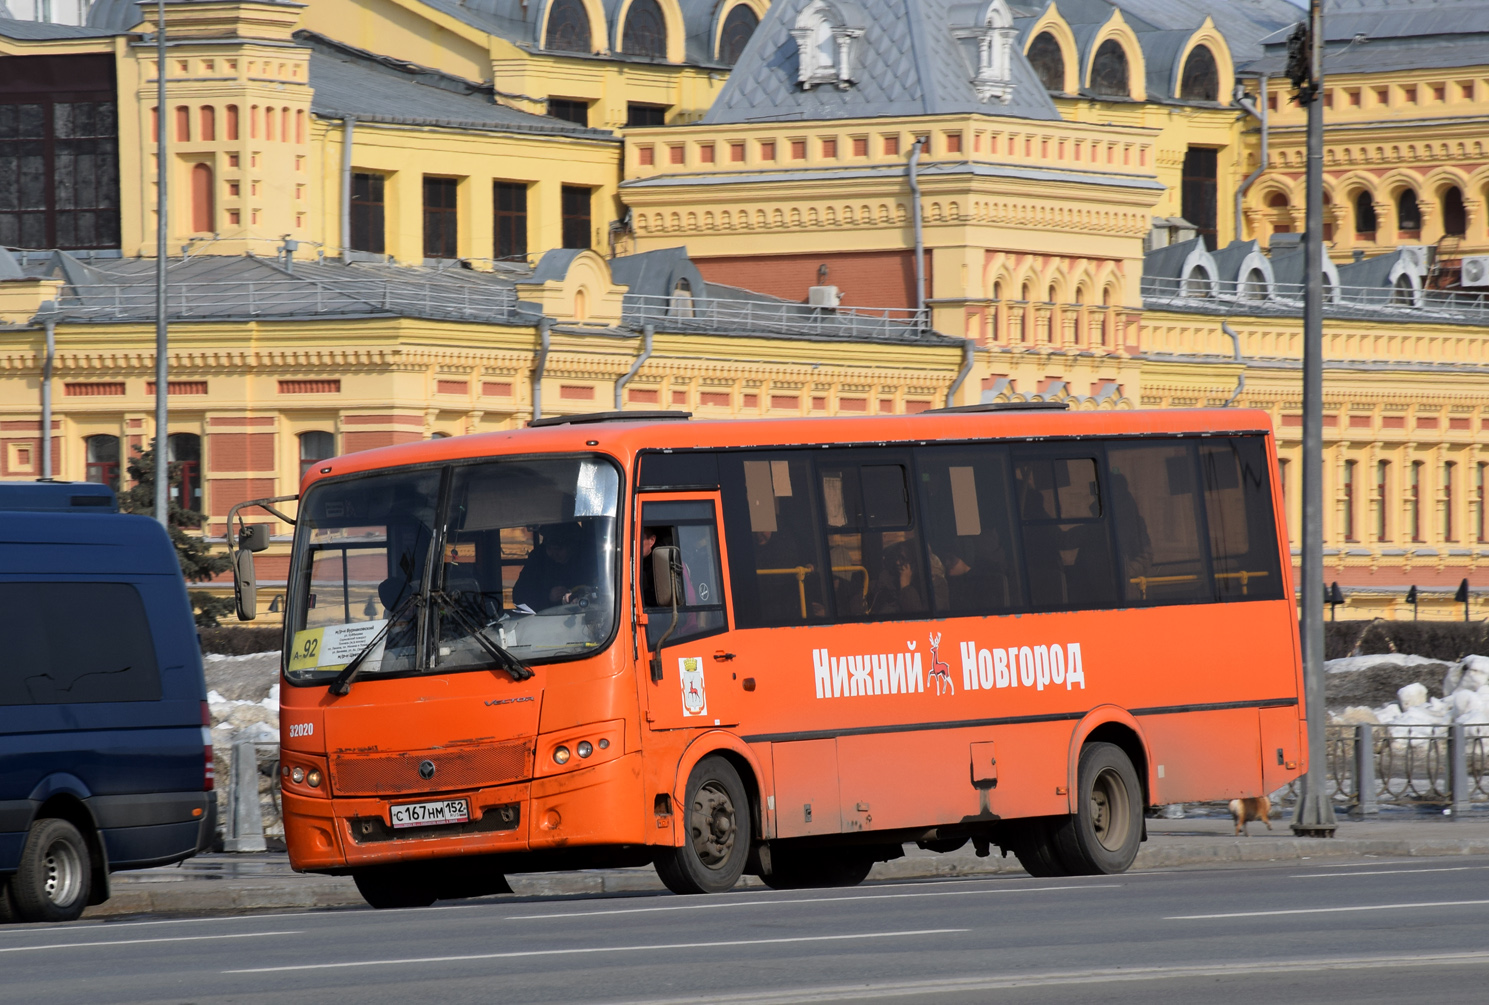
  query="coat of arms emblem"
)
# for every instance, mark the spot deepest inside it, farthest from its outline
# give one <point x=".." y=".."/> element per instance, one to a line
<point x="694" y="698"/>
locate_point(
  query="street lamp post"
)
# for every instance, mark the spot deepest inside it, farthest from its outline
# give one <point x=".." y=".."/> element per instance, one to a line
<point x="1314" y="813"/>
<point x="162" y="342"/>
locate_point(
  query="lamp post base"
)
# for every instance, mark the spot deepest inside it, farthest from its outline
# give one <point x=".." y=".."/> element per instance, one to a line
<point x="1314" y="816"/>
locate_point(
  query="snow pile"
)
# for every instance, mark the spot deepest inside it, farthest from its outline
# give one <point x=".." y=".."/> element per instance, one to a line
<point x="1464" y="698"/>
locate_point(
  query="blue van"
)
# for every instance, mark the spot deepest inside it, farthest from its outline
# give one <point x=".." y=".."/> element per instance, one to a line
<point x="105" y="746"/>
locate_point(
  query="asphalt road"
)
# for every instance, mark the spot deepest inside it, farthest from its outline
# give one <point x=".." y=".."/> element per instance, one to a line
<point x="1352" y="930"/>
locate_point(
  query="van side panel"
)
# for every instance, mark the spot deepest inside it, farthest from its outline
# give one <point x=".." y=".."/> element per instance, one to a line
<point x="137" y="766"/>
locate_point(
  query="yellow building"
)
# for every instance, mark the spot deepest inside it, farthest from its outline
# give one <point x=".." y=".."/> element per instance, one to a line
<point x="1077" y="199"/>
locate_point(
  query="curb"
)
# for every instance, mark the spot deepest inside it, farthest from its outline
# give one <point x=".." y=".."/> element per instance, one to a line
<point x="303" y="892"/>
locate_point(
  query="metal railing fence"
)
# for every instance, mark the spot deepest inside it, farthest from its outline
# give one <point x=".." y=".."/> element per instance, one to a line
<point x="697" y="314"/>
<point x="1247" y="295"/>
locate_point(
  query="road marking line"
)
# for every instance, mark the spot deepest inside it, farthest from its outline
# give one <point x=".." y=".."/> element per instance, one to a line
<point x="955" y="985"/>
<point x="137" y="942"/>
<point x="597" y="949"/>
<point x="1386" y="872"/>
<point x="1328" y="910"/>
<point x="782" y="901"/>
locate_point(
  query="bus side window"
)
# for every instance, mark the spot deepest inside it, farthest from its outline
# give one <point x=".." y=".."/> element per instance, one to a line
<point x="776" y="557"/>
<point x="690" y="527"/>
<point x="968" y="517"/>
<point x="1067" y="550"/>
<point x="877" y="564"/>
<point x="1155" y="511"/>
<point x="1238" y="508"/>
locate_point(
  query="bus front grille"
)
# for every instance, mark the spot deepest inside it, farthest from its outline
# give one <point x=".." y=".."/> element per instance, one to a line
<point x="465" y="767"/>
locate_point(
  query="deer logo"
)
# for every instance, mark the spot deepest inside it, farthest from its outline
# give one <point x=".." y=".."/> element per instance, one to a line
<point x="940" y="671"/>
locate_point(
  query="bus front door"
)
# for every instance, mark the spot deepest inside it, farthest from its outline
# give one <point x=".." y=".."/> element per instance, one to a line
<point x="699" y="680"/>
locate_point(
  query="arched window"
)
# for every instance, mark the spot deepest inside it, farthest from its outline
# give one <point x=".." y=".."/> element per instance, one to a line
<point x="1109" y="70"/>
<point x="1365" y="214"/>
<point x="315" y="446"/>
<point x="1201" y="78"/>
<point x="1197" y="283"/>
<point x="645" y="33"/>
<point x="1403" y="292"/>
<point x="437" y="435"/>
<point x="738" y="27"/>
<point x="1048" y="61"/>
<point x="1277" y="200"/>
<point x="183" y="452"/>
<point x="232" y="122"/>
<point x="203" y="211"/>
<point x="1408" y="213"/>
<point x="209" y="123"/>
<point x="682" y="299"/>
<point x="1254" y="286"/>
<point x="1454" y="216"/>
<point x="568" y="27"/>
<point x="102" y="460"/>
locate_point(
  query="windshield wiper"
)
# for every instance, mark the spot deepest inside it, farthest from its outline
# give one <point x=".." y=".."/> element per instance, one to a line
<point x="503" y="659"/>
<point x="342" y="685"/>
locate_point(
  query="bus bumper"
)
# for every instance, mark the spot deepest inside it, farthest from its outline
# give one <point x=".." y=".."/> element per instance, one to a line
<point x="599" y="805"/>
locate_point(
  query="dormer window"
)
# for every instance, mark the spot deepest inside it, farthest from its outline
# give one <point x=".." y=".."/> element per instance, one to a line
<point x="993" y="34"/>
<point x="824" y="46"/>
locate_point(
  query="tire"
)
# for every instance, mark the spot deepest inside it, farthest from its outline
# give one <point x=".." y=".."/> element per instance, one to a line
<point x="817" y="868"/>
<point x="1103" y="835"/>
<point x="55" y="875"/>
<point x="1033" y="844"/>
<point x="390" y="888"/>
<point x="7" y="913"/>
<point x="717" y="844"/>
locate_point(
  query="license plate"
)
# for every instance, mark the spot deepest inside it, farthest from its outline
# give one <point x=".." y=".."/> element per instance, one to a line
<point x="445" y="811"/>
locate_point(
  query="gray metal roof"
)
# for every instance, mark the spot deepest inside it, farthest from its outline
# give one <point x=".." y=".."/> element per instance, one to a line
<point x="232" y="288"/>
<point x="349" y="81"/>
<point x="1374" y="36"/>
<point x="43" y="31"/>
<point x="908" y="62"/>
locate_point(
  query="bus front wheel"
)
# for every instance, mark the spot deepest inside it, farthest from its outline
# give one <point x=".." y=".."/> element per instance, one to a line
<point x="1103" y="835"/>
<point x="717" y="843"/>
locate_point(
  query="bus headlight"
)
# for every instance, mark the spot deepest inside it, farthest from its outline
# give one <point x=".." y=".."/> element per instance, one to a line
<point x="312" y="778"/>
<point x="584" y="748"/>
<point x="561" y="754"/>
<point x="297" y="775"/>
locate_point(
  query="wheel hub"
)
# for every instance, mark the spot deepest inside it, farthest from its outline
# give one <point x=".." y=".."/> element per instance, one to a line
<point x="713" y="825"/>
<point x="1109" y="810"/>
<point x="63" y="873"/>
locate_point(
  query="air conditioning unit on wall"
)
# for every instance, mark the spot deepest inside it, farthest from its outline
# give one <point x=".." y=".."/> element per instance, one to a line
<point x="823" y="296"/>
<point x="1416" y="255"/>
<point x="1475" y="270"/>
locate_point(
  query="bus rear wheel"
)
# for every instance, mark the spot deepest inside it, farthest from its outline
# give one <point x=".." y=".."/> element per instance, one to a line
<point x="803" y="869"/>
<point x="55" y="875"/>
<point x="1032" y="842"/>
<point x="391" y="887"/>
<point x="717" y="842"/>
<point x="1103" y="835"/>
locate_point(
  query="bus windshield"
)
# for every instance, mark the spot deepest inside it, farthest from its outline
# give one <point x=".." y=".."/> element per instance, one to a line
<point x="522" y="559"/>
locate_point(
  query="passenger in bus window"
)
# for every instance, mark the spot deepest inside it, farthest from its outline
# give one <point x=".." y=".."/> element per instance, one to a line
<point x="898" y="589"/>
<point x="558" y="570"/>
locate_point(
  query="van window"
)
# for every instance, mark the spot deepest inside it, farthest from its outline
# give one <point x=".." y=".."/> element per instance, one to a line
<point x="75" y="642"/>
<point x="776" y="557"/>
<point x="967" y="509"/>
<point x="1067" y="550"/>
<point x="1238" y="509"/>
<point x="1155" y="508"/>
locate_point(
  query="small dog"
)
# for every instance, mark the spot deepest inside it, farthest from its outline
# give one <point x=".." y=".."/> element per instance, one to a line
<point x="1246" y="810"/>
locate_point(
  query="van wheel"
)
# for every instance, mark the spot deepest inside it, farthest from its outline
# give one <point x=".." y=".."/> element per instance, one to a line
<point x="1033" y="844"/>
<point x="55" y="875"/>
<point x="1103" y="835"/>
<point x="817" y="868"/>
<point x="388" y="888"/>
<point x="717" y="843"/>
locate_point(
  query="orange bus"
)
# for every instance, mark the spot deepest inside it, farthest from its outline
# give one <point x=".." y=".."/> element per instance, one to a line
<point x="782" y="647"/>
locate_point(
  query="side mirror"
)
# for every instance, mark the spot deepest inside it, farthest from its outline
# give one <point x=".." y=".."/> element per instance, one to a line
<point x="664" y="562"/>
<point x="254" y="537"/>
<point x="245" y="587"/>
